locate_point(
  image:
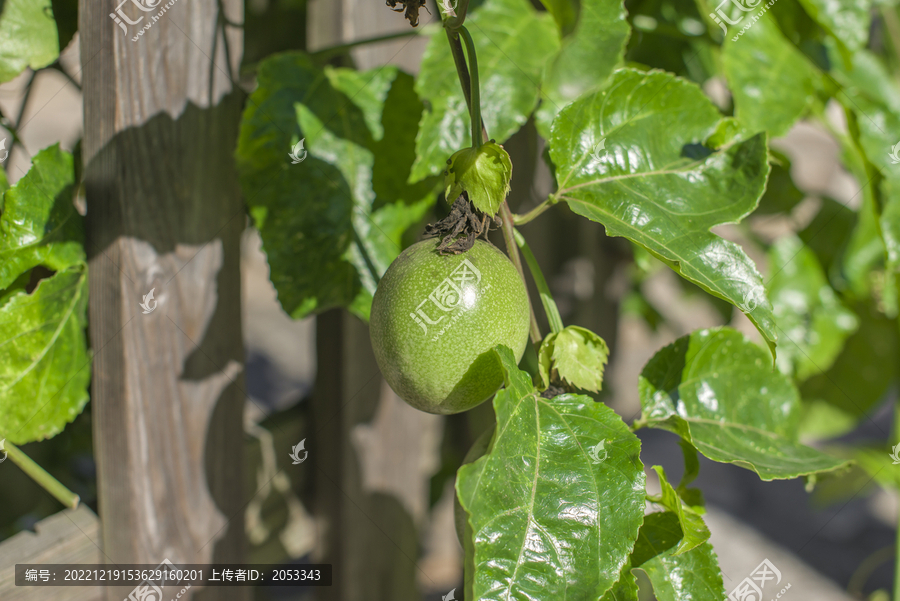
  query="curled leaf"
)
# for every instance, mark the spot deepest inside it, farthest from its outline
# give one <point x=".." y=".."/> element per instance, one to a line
<point x="483" y="172"/>
<point x="578" y="356"/>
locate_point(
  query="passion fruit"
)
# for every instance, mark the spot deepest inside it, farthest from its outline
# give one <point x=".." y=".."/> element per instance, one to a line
<point x="436" y="318"/>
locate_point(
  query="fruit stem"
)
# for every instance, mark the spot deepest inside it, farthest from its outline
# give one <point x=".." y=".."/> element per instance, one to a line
<point x="512" y="250"/>
<point x="475" y="104"/>
<point x="550" y="308"/>
<point x="42" y="477"/>
<point x="530" y="215"/>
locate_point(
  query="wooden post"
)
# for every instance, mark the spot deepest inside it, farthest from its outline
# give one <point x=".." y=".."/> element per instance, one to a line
<point x="165" y="214"/>
<point x="373" y="454"/>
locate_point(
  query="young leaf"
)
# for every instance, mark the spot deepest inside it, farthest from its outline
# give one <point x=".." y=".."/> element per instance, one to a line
<point x="27" y="36"/>
<point x="694" y="530"/>
<point x="39" y="224"/>
<point x="717" y="390"/>
<point x="628" y="158"/>
<point x="586" y="58"/>
<point x="44" y="361"/>
<point x="812" y="320"/>
<point x="762" y="59"/>
<point x="549" y="517"/>
<point x="694" y="575"/>
<point x="513" y="41"/>
<point x="578" y="356"/>
<point x="326" y="244"/>
<point x="483" y="173"/>
<point x="659" y="533"/>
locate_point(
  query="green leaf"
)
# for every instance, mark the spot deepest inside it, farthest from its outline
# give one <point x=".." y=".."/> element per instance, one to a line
<point x="864" y="370"/>
<point x="565" y="13"/>
<point x="39" y="224"/>
<point x="586" y="58"/>
<point x="326" y="244"/>
<point x="872" y="95"/>
<point x="693" y="497"/>
<point x="27" y="36"/>
<point x="717" y="390"/>
<point x="760" y="61"/>
<point x="694" y="530"/>
<point x="44" y="362"/>
<point x="848" y="20"/>
<point x="629" y="157"/>
<point x="513" y="41"/>
<point x="659" y="533"/>
<point x="694" y="575"/>
<point x="578" y="356"/>
<point x="483" y="173"/>
<point x="625" y="589"/>
<point x="813" y="322"/>
<point x="549" y="518"/>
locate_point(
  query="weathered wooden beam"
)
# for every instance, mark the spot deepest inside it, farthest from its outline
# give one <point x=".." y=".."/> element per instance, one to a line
<point x="70" y="536"/>
<point x="165" y="214"/>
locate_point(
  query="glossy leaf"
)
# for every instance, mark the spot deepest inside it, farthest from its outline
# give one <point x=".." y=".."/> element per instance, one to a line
<point x="27" y="36"/>
<point x="760" y="61"/>
<point x="693" y="528"/>
<point x="695" y="575"/>
<point x="628" y="157"/>
<point x="483" y="173"/>
<point x="718" y="391"/>
<point x="847" y="20"/>
<point x="625" y="589"/>
<point x="578" y="357"/>
<point x="44" y="362"/>
<point x="512" y="41"/>
<point x="39" y="224"/>
<point x="547" y="516"/>
<point x="660" y="532"/>
<point x="326" y="244"/>
<point x="586" y="58"/>
<point x="813" y="322"/>
<point x="693" y="497"/>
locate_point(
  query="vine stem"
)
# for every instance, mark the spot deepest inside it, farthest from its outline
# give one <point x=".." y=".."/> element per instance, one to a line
<point x="895" y="435"/>
<point x="475" y="104"/>
<point x="344" y="48"/>
<point x="536" y="211"/>
<point x="512" y="249"/>
<point x="42" y="477"/>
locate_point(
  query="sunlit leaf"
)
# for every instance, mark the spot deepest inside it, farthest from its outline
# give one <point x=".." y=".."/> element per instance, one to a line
<point x="630" y="157"/>
<point x="548" y="516"/>
<point x="718" y="391"/>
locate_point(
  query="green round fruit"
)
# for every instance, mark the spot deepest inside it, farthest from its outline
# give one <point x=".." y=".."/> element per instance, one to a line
<point x="436" y="318"/>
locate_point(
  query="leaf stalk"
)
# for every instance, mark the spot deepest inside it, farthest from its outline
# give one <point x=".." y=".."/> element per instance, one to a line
<point x="42" y="477"/>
